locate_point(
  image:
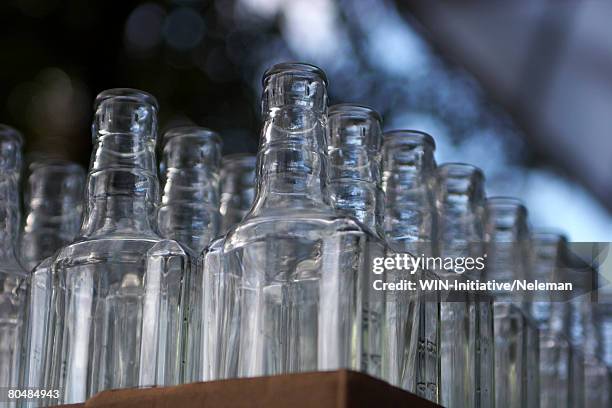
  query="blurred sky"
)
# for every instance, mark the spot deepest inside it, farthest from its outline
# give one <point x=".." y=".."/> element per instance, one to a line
<point x="203" y="60"/>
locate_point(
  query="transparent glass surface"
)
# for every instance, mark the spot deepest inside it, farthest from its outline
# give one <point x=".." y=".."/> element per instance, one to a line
<point x="466" y="333"/>
<point x="297" y="265"/>
<point x="12" y="276"/>
<point x="114" y="310"/>
<point x="189" y="211"/>
<point x="412" y="358"/>
<point x="237" y="188"/>
<point x="356" y="191"/>
<point x="516" y="337"/>
<point x="54" y="207"/>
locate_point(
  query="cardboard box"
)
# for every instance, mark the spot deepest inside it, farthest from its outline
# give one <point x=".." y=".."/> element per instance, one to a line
<point x="334" y="389"/>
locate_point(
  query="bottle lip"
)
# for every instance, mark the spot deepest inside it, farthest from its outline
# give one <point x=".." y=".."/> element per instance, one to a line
<point x="354" y="110"/>
<point x="126" y="94"/>
<point x="295" y="68"/>
<point x="8" y="132"/>
<point x="409" y="137"/>
<point x="457" y="169"/>
<point x="66" y="166"/>
<point x="505" y="202"/>
<point x="549" y="235"/>
<point x="239" y="159"/>
<point x="199" y="132"/>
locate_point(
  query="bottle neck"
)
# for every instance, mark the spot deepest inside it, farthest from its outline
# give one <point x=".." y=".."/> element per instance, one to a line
<point x="292" y="161"/>
<point x="122" y="187"/>
<point x="10" y="218"/>
<point x="355" y="185"/>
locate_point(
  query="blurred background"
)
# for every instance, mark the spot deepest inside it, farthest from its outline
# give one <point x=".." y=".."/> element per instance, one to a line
<point x="521" y="89"/>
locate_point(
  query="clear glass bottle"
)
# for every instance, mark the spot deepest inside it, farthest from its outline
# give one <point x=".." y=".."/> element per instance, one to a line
<point x="54" y="205"/>
<point x="12" y="274"/>
<point x="295" y="262"/>
<point x="552" y="315"/>
<point x="189" y="169"/>
<point x="412" y="358"/>
<point x="466" y="333"/>
<point x="354" y="152"/>
<point x="508" y="250"/>
<point x="237" y="188"/>
<point x="595" y="370"/>
<point x="115" y="306"/>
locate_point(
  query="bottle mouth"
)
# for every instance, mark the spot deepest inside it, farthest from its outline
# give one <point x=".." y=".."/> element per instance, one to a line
<point x="127" y="95"/>
<point x="244" y="160"/>
<point x="549" y="236"/>
<point x="297" y="69"/>
<point x="408" y="137"/>
<point x="354" y="111"/>
<point x="56" y="165"/>
<point x="194" y="132"/>
<point x="10" y="134"/>
<point x="506" y="203"/>
<point x="460" y="170"/>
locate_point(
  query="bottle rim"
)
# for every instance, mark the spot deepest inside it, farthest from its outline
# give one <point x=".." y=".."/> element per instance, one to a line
<point x="9" y="132"/>
<point x="66" y="166"/>
<point x="354" y="110"/>
<point x="458" y="169"/>
<point x="409" y="137"/>
<point x="294" y="68"/>
<point x="126" y="94"/>
<point x="246" y="160"/>
<point x="505" y="202"/>
<point x="199" y="132"/>
<point x="549" y="235"/>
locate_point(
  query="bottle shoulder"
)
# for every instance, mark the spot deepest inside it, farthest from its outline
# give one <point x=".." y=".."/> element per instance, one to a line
<point x="115" y="249"/>
<point x="309" y="225"/>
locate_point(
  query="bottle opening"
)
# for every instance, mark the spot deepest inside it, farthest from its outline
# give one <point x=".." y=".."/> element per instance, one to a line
<point x="11" y="142"/>
<point x="192" y="132"/>
<point x="295" y="69"/>
<point x="126" y="95"/>
<point x="409" y="137"/>
<point x="125" y="111"/>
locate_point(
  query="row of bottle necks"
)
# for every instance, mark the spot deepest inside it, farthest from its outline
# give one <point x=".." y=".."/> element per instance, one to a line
<point x="289" y="288"/>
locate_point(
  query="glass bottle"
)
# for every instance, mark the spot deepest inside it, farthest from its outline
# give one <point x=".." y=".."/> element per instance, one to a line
<point x="114" y="307"/>
<point x="237" y="188"/>
<point x="552" y="315"/>
<point x="296" y="263"/>
<point x="53" y="200"/>
<point x="595" y="371"/>
<point x="355" y="141"/>
<point x="516" y="359"/>
<point x="466" y="332"/>
<point x="213" y="327"/>
<point x="410" y="226"/>
<point x="12" y="275"/>
<point x="189" y="211"/>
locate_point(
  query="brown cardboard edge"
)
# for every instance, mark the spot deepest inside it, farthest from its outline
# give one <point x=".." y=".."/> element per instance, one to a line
<point x="338" y="389"/>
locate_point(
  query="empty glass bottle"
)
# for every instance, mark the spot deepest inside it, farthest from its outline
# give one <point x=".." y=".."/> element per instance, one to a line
<point x="54" y="206"/>
<point x="355" y="190"/>
<point x="412" y="358"/>
<point x="12" y="275"/>
<point x="466" y="333"/>
<point x="237" y="188"/>
<point x="114" y="306"/>
<point x="295" y="263"/>
<point x="508" y="251"/>
<point x="552" y="316"/>
<point x="189" y="211"/>
<point x="596" y="372"/>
